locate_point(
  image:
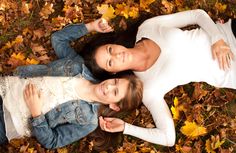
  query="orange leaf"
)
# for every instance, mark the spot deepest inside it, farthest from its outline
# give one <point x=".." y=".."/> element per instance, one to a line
<point x="46" y="10"/>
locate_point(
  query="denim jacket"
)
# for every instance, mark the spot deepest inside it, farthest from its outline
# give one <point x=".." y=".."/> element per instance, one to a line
<point x="72" y="120"/>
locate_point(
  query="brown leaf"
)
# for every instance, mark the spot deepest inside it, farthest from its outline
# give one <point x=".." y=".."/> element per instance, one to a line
<point x="46" y="10"/>
<point x="39" y="33"/>
<point x="36" y="48"/>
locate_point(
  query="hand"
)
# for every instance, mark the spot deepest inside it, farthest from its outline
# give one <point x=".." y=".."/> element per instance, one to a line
<point x="111" y="124"/>
<point x="99" y="25"/>
<point x="222" y="52"/>
<point x="33" y="100"/>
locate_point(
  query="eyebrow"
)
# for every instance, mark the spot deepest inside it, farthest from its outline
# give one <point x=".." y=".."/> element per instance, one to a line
<point x="119" y="85"/>
<point x="107" y="62"/>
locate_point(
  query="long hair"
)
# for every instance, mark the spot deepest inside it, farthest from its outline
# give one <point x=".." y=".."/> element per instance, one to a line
<point x="103" y="140"/>
<point x="125" y="38"/>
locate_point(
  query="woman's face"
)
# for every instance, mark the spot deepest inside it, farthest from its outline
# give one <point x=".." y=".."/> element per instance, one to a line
<point x="112" y="90"/>
<point x="113" y="58"/>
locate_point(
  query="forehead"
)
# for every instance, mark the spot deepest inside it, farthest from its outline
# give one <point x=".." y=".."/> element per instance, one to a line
<point x="123" y="86"/>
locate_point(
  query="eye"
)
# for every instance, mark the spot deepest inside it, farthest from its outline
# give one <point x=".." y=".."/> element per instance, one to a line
<point x="110" y="63"/>
<point x="115" y="92"/>
<point x="109" y="49"/>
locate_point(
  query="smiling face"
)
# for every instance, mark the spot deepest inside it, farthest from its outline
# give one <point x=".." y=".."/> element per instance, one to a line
<point x="112" y="90"/>
<point x="113" y="58"/>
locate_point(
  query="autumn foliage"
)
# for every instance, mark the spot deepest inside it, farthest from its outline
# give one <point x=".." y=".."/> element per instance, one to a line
<point x="205" y="117"/>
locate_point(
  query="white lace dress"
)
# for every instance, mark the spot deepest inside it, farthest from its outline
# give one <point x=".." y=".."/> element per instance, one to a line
<point x="55" y="91"/>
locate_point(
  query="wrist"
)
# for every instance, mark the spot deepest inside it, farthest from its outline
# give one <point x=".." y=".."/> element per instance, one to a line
<point x="35" y="114"/>
<point x="89" y="27"/>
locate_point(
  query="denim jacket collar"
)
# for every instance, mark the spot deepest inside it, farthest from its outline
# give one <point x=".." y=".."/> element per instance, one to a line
<point x="88" y="75"/>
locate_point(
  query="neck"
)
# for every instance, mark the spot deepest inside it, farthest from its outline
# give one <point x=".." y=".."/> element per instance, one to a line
<point x="140" y="57"/>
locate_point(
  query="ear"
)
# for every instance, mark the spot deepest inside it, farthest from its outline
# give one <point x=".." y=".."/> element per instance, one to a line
<point x="114" y="107"/>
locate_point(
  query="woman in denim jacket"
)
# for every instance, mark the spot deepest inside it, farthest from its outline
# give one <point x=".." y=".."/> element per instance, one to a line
<point x="61" y="110"/>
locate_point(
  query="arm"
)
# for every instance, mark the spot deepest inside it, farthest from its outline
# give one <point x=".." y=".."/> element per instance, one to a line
<point x="185" y="18"/>
<point x="59" y="136"/>
<point x="62" y="38"/>
<point x="52" y="137"/>
<point x="220" y="49"/>
<point x="163" y="134"/>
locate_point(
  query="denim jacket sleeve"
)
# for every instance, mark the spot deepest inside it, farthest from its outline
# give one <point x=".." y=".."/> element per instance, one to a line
<point x="61" y="39"/>
<point x="61" y="135"/>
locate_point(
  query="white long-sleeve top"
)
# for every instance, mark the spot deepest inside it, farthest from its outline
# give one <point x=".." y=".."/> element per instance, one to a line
<point x="185" y="57"/>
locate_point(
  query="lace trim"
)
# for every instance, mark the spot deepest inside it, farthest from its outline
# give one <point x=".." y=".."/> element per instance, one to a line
<point x="3" y="87"/>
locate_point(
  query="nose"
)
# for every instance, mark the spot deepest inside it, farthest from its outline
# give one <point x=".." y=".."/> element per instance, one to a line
<point x="110" y="87"/>
<point x="116" y="56"/>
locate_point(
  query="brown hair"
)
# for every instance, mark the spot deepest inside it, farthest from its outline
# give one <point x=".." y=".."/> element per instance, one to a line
<point x="133" y="98"/>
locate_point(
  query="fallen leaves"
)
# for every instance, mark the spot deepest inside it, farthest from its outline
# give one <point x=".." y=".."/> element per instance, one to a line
<point x="107" y="11"/>
<point x="192" y="130"/>
<point x="25" y="30"/>
<point x="46" y="10"/>
<point x="18" y="40"/>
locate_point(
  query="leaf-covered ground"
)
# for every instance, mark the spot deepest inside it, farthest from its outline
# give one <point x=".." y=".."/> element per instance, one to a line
<point x="205" y="117"/>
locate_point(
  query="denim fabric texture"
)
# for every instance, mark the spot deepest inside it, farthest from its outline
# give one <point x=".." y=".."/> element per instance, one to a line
<point x="3" y="137"/>
<point x="72" y="120"/>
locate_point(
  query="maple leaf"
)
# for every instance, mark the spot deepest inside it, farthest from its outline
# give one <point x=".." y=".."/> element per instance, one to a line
<point x="37" y="48"/>
<point x="25" y="7"/>
<point x="213" y="143"/>
<point x="192" y="130"/>
<point x="122" y="10"/>
<point x="145" y="3"/>
<point x="18" y="56"/>
<point x="46" y="10"/>
<point x="39" y="33"/>
<point x="31" y="61"/>
<point x="18" y="40"/>
<point x="220" y="7"/>
<point x="134" y="12"/>
<point x="72" y="12"/>
<point x="176" y="109"/>
<point x="107" y="11"/>
<point x="168" y="6"/>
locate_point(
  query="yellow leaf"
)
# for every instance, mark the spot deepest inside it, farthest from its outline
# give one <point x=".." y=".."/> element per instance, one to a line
<point x="145" y="3"/>
<point x="134" y="12"/>
<point x="220" y="7"/>
<point x="107" y="11"/>
<point x="208" y="147"/>
<point x="18" y="40"/>
<point x="218" y="144"/>
<point x="192" y="130"/>
<point x="18" y="56"/>
<point x="175" y="112"/>
<point x="122" y="10"/>
<point x="30" y="150"/>
<point x="176" y="101"/>
<point x="32" y="61"/>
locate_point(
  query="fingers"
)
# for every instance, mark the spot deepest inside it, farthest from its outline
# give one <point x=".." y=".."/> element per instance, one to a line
<point x="222" y="52"/>
<point x="30" y="89"/>
<point x="103" y="124"/>
<point x="104" y="26"/>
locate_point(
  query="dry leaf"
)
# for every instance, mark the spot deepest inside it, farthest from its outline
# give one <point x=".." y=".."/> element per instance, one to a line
<point x="46" y="10"/>
<point x="122" y="10"/>
<point x="107" y="11"/>
<point x="192" y="130"/>
<point x="220" y="7"/>
<point x="145" y="3"/>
